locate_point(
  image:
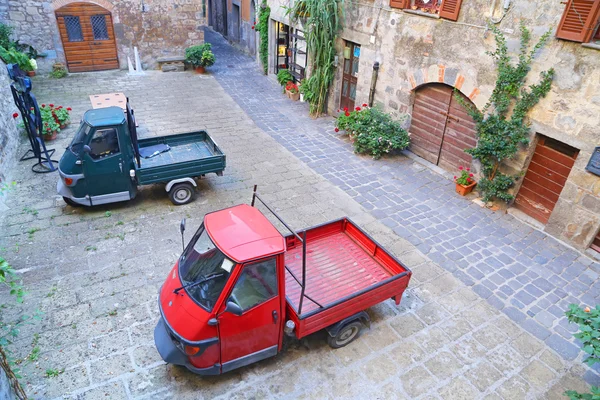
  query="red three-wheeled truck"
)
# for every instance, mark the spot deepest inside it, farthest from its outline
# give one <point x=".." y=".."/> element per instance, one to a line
<point x="240" y="285"/>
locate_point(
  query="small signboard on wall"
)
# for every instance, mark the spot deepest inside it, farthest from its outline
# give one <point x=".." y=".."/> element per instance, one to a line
<point x="593" y="165"/>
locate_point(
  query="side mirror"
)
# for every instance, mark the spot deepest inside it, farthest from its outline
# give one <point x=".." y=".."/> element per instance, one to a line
<point x="87" y="148"/>
<point x="233" y="308"/>
<point x="182" y="229"/>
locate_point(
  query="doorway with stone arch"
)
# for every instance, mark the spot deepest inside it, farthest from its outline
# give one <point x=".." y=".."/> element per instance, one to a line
<point x="88" y="38"/>
<point x="440" y="128"/>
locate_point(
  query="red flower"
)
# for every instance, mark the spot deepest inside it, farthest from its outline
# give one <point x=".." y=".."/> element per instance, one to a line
<point x="365" y="104"/>
<point x="454" y="176"/>
<point x="357" y="108"/>
<point x="15" y="115"/>
<point x="460" y="168"/>
<point x="43" y="105"/>
<point x="468" y="169"/>
<point x="347" y="114"/>
<point x="252" y="26"/>
<point x="471" y="175"/>
<point x="337" y="129"/>
<point x="346" y="109"/>
<point x="69" y="109"/>
<point x="468" y="180"/>
<point x="51" y="105"/>
<point x="338" y="110"/>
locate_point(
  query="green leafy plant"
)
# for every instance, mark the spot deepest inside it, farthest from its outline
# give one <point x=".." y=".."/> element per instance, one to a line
<point x="58" y="71"/>
<point x="5" y="32"/>
<point x="502" y="125"/>
<point x="284" y="76"/>
<point x="465" y="177"/>
<point x="373" y="131"/>
<point x="262" y="27"/>
<point x="322" y="21"/>
<point x="13" y="56"/>
<point x="53" y="373"/>
<point x="200" y="55"/>
<point x="588" y="320"/>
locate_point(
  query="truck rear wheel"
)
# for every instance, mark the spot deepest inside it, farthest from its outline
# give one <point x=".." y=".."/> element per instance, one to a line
<point x="71" y="202"/>
<point x="181" y="193"/>
<point x="345" y="336"/>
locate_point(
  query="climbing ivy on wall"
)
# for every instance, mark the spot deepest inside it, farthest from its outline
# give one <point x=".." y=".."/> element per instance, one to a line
<point x="322" y="20"/>
<point x="502" y="125"/>
<point x="262" y="27"/>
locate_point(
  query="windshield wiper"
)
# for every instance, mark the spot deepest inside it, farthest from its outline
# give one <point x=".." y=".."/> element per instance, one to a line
<point x="201" y="280"/>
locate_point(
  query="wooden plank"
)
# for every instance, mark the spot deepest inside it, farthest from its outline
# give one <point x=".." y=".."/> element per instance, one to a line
<point x="556" y="156"/>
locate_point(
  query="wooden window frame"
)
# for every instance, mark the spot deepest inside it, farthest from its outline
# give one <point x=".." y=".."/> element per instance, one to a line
<point x="449" y="9"/>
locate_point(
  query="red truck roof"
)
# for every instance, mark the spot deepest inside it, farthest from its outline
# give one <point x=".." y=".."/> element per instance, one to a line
<point x="243" y="233"/>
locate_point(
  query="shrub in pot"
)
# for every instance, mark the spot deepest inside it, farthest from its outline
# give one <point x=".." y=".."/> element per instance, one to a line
<point x="200" y="56"/>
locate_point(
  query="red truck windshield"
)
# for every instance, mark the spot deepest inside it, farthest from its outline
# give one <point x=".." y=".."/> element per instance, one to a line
<point x="203" y="263"/>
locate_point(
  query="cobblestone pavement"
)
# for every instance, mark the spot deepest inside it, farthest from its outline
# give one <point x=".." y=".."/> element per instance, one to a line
<point x="528" y="275"/>
<point x="95" y="273"/>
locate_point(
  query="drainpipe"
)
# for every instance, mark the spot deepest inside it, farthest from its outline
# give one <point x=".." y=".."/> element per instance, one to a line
<point x="373" y="82"/>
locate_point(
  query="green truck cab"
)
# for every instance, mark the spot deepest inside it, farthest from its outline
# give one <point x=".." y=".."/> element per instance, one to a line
<point x="106" y="163"/>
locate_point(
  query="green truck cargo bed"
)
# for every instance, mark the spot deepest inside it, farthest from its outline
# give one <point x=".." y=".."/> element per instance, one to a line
<point x="191" y="155"/>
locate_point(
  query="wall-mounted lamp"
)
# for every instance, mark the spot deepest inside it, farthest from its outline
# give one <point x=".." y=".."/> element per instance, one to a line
<point x="336" y="61"/>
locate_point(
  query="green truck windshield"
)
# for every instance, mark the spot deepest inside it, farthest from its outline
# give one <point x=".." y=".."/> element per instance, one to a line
<point x="203" y="261"/>
<point x="78" y="141"/>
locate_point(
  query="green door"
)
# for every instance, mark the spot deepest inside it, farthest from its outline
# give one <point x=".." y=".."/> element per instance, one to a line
<point x="105" y="168"/>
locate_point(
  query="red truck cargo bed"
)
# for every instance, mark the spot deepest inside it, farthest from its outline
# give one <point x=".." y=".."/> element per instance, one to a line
<point x="346" y="272"/>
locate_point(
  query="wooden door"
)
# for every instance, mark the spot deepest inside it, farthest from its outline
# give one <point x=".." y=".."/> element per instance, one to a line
<point x="545" y="178"/>
<point x="596" y="243"/>
<point x="86" y="31"/>
<point x="350" y="76"/>
<point x="441" y="129"/>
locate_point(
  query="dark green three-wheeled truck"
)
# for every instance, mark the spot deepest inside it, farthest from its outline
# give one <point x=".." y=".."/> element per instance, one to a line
<point x="106" y="163"/>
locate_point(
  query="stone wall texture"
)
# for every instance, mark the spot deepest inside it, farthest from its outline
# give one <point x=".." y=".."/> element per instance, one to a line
<point x="234" y="19"/>
<point x="9" y="136"/>
<point x="157" y="27"/>
<point x="416" y="49"/>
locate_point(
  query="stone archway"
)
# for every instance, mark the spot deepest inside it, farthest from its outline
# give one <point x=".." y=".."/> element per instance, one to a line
<point x="439" y="73"/>
<point x="107" y="5"/>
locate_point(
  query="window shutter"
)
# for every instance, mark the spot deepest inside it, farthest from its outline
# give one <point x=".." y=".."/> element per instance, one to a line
<point x="399" y="3"/>
<point x="579" y="20"/>
<point x="450" y="9"/>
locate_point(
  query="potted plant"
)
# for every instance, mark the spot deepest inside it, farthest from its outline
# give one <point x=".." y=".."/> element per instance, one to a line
<point x="292" y="91"/>
<point x="283" y="77"/>
<point x="200" y="56"/>
<point x="465" y="182"/>
<point x="58" y="71"/>
<point x="62" y="116"/>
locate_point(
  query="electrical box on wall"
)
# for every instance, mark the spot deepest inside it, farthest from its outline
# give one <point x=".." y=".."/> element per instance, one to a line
<point x="593" y="165"/>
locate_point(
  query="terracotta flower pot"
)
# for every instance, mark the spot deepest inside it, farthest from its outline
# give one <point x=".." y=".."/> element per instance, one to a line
<point x="465" y="190"/>
<point x="51" y="136"/>
<point x="200" y="69"/>
<point x="30" y="73"/>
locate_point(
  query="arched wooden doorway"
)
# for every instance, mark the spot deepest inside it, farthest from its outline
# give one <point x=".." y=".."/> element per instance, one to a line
<point x="441" y="129"/>
<point x="87" y="35"/>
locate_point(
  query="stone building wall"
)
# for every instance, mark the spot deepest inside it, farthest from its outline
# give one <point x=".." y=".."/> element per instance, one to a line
<point x="415" y="49"/>
<point x="9" y="136"/>
<point x="157" y="27"/>
<point x="241" y="17"/>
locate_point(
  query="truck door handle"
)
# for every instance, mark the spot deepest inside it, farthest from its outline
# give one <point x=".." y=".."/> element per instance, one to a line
<point x="121" y="167"/>
<point x="275" y="316"/>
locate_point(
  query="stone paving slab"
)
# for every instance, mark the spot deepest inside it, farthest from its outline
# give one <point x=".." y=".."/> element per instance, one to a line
<point x="526" y="274"/>
<point x="95" y="273"/>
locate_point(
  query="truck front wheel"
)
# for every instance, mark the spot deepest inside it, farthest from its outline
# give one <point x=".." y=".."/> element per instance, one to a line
<point x="181" y="193"/>
<point x="345" y="335"/>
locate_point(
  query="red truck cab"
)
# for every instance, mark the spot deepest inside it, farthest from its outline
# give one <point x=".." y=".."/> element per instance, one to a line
<point x="224" y="303"/>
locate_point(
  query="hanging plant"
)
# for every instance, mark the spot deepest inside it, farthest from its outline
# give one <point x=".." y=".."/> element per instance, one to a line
<point x="262" y="27"/>
<point x="322" y="20"/>
<point x="502" y="125"/>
